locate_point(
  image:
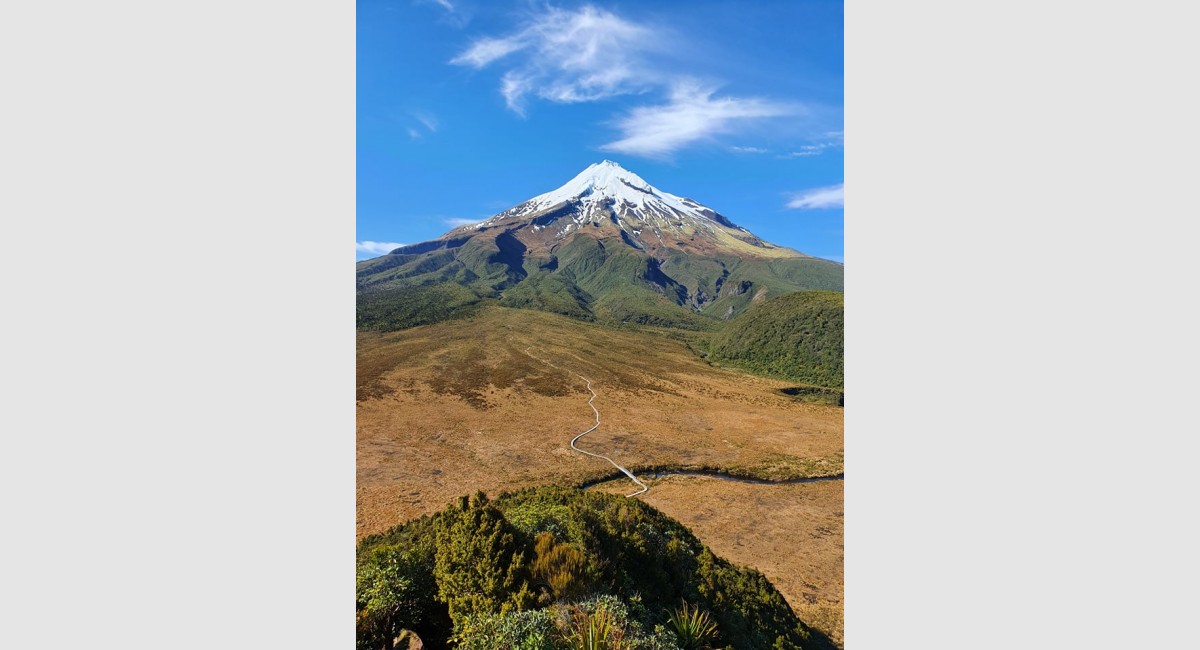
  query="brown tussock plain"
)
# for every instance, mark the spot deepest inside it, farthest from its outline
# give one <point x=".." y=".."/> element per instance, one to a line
<point x="447" y="409"/>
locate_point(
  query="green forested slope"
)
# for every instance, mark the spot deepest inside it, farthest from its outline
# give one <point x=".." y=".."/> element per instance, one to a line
<point x="796" y="336"/>
<point x="604" y="280"/>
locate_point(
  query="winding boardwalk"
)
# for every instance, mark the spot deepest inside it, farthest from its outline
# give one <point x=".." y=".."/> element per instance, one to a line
<point x="593" y="428"/>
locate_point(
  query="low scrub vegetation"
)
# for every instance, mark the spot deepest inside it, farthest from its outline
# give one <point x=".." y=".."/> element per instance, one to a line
<point x="816" y="395"/>
<point x="559" y="568"/>
<point x="392" y="309"/>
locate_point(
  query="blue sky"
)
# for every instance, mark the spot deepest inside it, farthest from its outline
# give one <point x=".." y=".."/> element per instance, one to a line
<point x="468" y="107"/>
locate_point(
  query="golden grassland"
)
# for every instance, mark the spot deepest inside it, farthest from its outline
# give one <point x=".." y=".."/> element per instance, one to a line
<point x="792" y="533"/>
<point x="451" y="408"/>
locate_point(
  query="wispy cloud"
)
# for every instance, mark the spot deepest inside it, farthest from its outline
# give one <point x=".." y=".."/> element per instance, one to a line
<point x="806" y="150"/>
<point x="691" y="115"/>
<point x="429" y="121"/>
<point x="570" y="56"/>
<point x="834" y="140"/>
<point x="514" y="86"/>
<point x="748" y="150"/>
<point x="376" y="247"/>
<point x="455" y="15"/>
<point x="486" y="50"/>
<point x="459" y="221"/>
<point x="591" y="54"/>
<point x="821" y="197"/>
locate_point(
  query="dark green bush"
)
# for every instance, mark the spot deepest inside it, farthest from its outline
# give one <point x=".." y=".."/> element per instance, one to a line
<point x="489" y="560"/>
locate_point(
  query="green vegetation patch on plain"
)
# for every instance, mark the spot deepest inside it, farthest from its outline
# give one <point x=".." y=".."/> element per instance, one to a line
<point x="797" y="336"/>
<point x="558" y="568"/>
<point x="394" y="308"/>
<point x="773" y="468"/>
<point x="815" y="395"/>
<point x="783" y="467"/>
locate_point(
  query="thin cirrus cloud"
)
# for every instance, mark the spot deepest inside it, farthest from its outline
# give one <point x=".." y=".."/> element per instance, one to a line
<point x="459" y="221"/>
<point x="591" y="54"/>
<point x="807" y="150"/>
<point x="568" y="56"/>
<point x="376" y="247"/>
<point x="835" y="140"/>
<point x="833" y="196"/>
<point x="691" y="115"/>
<point x="452" y="16"/>
<point x="427" y="120"/>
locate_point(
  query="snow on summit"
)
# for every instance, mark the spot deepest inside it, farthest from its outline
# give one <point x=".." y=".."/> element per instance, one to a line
<point x="607" y="202"/>
<point x="607" y="188"/>
<point x="608" y="180"/>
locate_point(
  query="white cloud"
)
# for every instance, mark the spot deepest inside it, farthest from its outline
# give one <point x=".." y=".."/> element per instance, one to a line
<point x="691" y="115"/>
<point x="571" y="56"/>
<point x="835" y="140"/>
<point x="590" y="54"/>
<point x="455" y="16"/>
<point x="376" y="247"/>
<point x="513" y="86"/>
<point x="419" y="123"/>
<point x="458" y="221"/>
<point x="810" y="150"/>
<point x="807" y="150"/>
<point x="486" y="50"/>
<point x="821" y="197"/>
<point x="428" y="120"/>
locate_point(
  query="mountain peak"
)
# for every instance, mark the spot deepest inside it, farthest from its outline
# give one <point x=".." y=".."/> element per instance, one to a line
<point x="605" y="244"/>
<point x="609" y="168"/>
<point x="606" y="178"/>
<point x="613" y="202"/>
<point x="608" y="188"/>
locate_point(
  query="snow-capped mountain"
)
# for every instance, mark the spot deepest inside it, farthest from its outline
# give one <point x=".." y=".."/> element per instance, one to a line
<point x="607" y="245"/>
<point x="606" y="194"/>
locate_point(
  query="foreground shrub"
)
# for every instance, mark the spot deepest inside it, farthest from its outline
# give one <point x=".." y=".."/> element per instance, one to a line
<point x="555" y="567"/>
<point x="480" y="568"/>
<point x="395" y="589"/>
